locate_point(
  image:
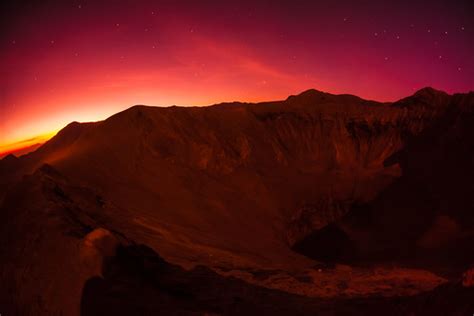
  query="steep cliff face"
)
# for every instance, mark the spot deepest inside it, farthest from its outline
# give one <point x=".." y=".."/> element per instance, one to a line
<point x="240" y="186"/>
<point x="427" y="212"/>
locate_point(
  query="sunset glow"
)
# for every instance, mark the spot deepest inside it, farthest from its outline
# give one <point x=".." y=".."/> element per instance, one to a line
<point x="85" y="60"/>
<point x="249" y="157"/>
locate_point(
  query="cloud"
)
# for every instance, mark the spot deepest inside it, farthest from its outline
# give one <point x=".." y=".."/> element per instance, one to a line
<point x="24" y="141"/>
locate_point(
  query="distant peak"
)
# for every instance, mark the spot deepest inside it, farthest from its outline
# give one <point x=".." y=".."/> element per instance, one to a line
<point x="311" y="92"/>
<point x="429" y="91"/>
<point x="427" y="97"/>
<point x="10" y="157"/>
<point x="308" y="95"/>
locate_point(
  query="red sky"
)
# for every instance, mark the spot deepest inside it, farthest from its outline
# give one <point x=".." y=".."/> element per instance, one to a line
<point x="64" y="61"/>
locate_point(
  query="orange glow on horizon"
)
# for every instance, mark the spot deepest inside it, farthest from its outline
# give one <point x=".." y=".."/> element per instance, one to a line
<point x="48" y="124"/>
<point x="61" y="63"/>
<point x="6" y="149"/>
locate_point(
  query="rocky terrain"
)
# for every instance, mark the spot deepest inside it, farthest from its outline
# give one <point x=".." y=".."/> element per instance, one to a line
<point x="320" y="203"/>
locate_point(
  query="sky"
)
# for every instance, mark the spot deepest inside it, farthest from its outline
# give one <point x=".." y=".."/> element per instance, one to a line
<point x="64" y="61"/>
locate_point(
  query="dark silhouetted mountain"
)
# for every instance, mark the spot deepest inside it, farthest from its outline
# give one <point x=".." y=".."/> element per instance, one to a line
<point x="303" y="200"/>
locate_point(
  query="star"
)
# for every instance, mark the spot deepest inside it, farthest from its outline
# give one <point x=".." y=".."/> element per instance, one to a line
<point x="13" y="42"/>
<point x="446" y="32"/>
<point x="398" y="37"/>
<point x="429" y="31"/>
<point x="440" y="56"/>
<point x="462" y="28"/>
<point x="386" y="58"/>
<point x="459" y="68"/>
<point x="52" y="42"/>
<point x="79" y="6"/>
<point x="376" y="34"/>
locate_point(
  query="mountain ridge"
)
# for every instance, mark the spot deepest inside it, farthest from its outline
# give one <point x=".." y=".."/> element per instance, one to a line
<point x="310" y="93"/>
<point x="278" y="187"/>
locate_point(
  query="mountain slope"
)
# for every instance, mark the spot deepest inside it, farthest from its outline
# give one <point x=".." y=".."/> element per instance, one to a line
<point x="237" y="187"/>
